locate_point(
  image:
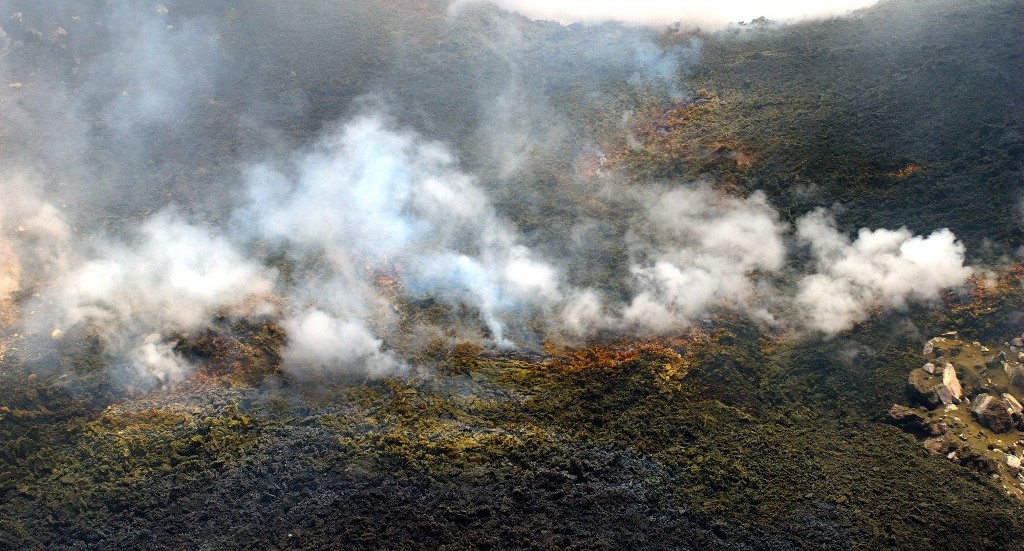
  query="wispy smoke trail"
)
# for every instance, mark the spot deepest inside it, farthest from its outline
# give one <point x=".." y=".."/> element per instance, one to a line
<point x="371" y="198"/>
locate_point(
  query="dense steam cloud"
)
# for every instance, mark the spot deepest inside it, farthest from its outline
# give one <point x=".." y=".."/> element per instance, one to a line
<point x="189" y="175"/>
<point x="690" y="13"/>
<point x="700" y="249"/>
<point x="372" y="200"/>
<point x="170" y="280"/>
<point x="692" y="251"/>
<point x="880" y="269"/>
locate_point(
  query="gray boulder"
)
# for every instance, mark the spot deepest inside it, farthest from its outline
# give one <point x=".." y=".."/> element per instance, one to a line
<point x="1015" y="371"/>
<point x="1012" y="403"/>
<point x="907" y="419"/>
<point x="992" y="413"/>
<point x="950" y="391"/>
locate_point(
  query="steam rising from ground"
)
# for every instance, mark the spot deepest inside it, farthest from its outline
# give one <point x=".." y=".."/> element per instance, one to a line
<point x="693" y="250"/>
<point x="701" y="250"/>
<point x="361" y="236"/>
<point x="171" y="280"/>
<point x="34" y="241"/>
<point x="372" y="200"/>
<point x="880" y="269"/>
<point x="690" y="12"/>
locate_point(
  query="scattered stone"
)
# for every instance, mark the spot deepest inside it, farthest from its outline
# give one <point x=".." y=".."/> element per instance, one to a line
<point x="992" y="412"/>
<point x="929" y="367"/>
<point x="938" y="428"/>
<point x="1013" y="463"/>
<point x="951" y="407"/>
<point x="1018" y="342"/>
<point x="923" y="388"/>
<point x="1016" y="410"/>
<point x="1015" y="371"/>
<point x="971" y="459"/>
<point x="907" y="419"/>
<point x="931" y="391"/>
<point x="950" y="392"/>
<point x="1012" y="403"/>
<point x="939" y="445"/>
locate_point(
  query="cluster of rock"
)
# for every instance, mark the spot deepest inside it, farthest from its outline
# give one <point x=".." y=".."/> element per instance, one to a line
<point x="933" y="386"/>
<point x="967" y="405"/>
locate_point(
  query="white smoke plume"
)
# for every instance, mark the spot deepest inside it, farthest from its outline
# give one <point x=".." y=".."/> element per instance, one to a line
<point x="320" y="344"/>
<point x="373" y="199"/>
<point x="34" y="237"/>
<point x="709" y="15"/>
<point x="700" y="249"/>
<point x="171" y="280"/>
<point x="880" y="269"/>
<point x="694" y="250"/>
<point x="447" y="201"/>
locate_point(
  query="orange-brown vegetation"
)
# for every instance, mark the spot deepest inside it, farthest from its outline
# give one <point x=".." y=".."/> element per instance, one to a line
<point x="619" y="355"/>
<point x="906" y="172"/>
<point x="676" y="354"/>
<point x="983" y="293"/>
<point x="673" y="355"/>
<point x="680" y="137"/>
<point x="244" y="355"/>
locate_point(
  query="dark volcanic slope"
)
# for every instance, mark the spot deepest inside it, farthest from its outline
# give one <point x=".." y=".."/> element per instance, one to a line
<point x="506" y="455"/>
<point x="845" y="105"/>
<point x="908" y="114"/>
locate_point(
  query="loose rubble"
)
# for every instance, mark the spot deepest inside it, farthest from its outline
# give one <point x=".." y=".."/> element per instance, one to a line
<point x="969" y="410"/>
